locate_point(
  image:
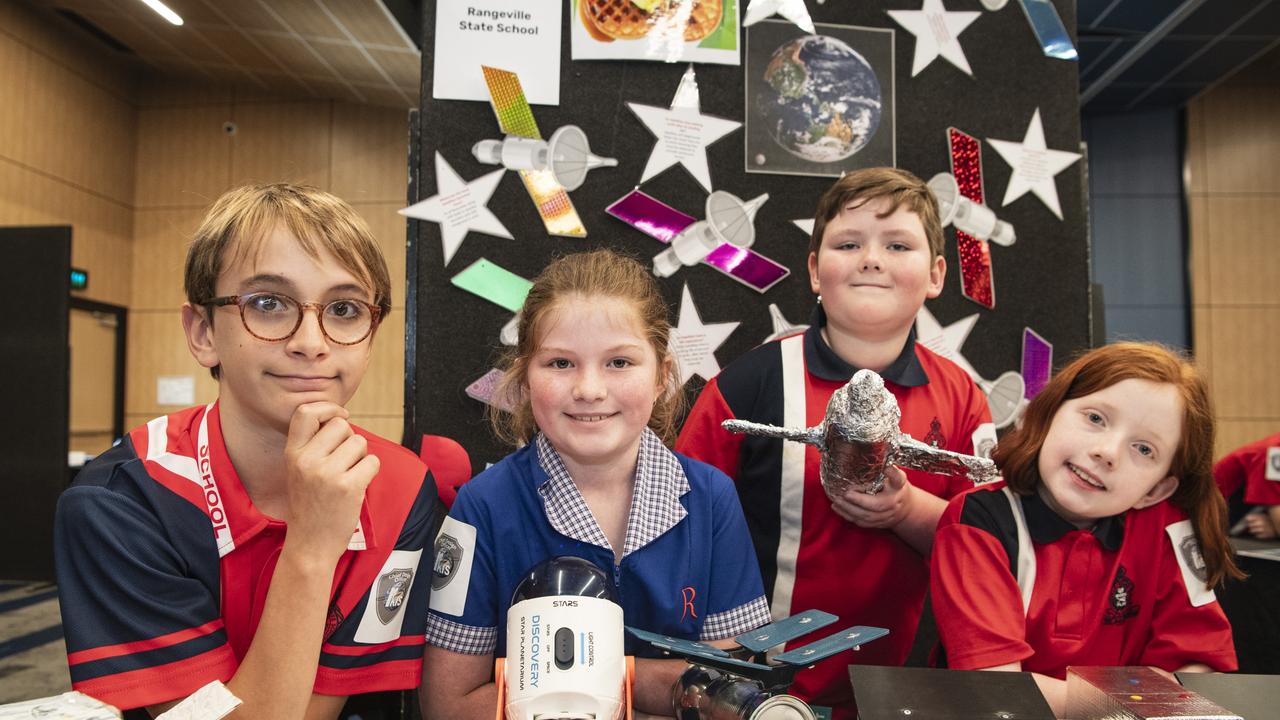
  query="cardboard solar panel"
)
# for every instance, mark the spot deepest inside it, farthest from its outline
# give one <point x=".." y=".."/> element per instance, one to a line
<point x="894" y="693"/>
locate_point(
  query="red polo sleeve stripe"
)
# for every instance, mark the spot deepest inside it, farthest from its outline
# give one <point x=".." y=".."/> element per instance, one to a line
<point x="155" y="643"/>
<point x="160" y="683"/>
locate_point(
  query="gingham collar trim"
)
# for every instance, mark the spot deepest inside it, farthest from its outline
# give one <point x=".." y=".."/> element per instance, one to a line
<point x="655" y="503"/>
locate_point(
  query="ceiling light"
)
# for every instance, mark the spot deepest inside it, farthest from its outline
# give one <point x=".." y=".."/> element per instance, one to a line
<point x="164" y="11"/>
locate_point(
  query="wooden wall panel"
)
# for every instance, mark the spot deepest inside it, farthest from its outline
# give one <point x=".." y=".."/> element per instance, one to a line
<point x="388" y="426"/>
<point x="184" y="157"/>
<point x="1233" y="140"/>
<point x="282" y="142"/>
<point x="1246" y="342"/>
<point x="160" y="240"/>
<point x="369" y="159"/>
<point x="1241" y="139"/>
<point x="158" y="347"/>
<point x="382" y="392"/>
<point x="1243" y="235"/>
<point x="13" y="85"/>
<point x="37" y="27"/>
<point x="1234" y="433"/>
<point x="76" y="131"/>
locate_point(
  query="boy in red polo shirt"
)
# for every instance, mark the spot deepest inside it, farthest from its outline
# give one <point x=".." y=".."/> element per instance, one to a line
<point x="875" y="256"/>
<point x="174" y="565"/>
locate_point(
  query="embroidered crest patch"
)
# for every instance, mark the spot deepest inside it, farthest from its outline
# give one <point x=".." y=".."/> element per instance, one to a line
<point x="1122" y="605"/>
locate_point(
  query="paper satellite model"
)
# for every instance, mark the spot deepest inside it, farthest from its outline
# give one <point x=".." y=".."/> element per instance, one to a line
<point x="722" y="240"/>
<point x="741" y="683"/>
<point x="549" y="169"/>
<point x="859" y="438"/>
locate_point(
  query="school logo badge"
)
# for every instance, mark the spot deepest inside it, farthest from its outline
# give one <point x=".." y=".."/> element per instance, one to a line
<point x="1121" y="599"/>
<point x="1193" y="558"/>
<point x="392" y="588"/>
<point x="935" y="436"/>
<point x="1195" y="574"/>
<point x="332" y="620"/>
<point x="448" y="557"/>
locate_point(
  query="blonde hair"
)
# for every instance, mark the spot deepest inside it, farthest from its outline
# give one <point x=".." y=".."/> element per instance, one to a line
<point x="863" y="186"/>
<point x="599" y="273"/>
<point x="240" y="220"/>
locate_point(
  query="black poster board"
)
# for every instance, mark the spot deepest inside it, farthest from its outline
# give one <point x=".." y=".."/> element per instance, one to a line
<point x="1041" y="282"/>
<point x="35" y="366"/>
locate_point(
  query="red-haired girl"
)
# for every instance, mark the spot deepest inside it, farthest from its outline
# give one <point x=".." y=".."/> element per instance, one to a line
<point x="1104" y="542"/>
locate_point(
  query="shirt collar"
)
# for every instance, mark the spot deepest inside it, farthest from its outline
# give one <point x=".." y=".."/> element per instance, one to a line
<point x="822" y="361"/>
<point x="655" y="501"/>
<point x="1047" y="526"/>
<point x="244" y="519"/>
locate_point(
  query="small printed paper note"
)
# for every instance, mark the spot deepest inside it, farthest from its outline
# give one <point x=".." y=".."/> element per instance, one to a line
<point x="211" y="702"/>
<point x="519" y="35"/>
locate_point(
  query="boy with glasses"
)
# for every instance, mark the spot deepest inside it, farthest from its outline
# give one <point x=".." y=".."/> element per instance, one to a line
<point x="174" y="565"/>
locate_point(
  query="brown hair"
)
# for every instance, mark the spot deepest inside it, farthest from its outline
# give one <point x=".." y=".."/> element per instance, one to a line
<point x="599" y="273"/>
<point x="240" y="219"/>
<point x="867" y="184"/>
<point x="1018" y="455"/>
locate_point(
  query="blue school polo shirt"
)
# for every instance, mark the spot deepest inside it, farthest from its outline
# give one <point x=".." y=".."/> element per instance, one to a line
<point x="687" y="570"/>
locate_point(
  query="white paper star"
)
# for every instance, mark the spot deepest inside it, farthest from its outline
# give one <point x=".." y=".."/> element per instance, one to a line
<point x="459" y="207"/>
<point x="683" y="132"/>
<point x="937" y="32"/>
<point x="1034" y="166"/>
<point x="694" y="342"/>
<point x="793" y="10"/>
<point x="805" y="225"/>
<point x="946" y="341"/>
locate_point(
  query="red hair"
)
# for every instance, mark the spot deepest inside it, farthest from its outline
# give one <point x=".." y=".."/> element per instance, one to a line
<point x="1018" y="455"/>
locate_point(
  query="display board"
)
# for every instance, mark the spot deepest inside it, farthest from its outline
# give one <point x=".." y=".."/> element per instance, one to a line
<point x="803" y="103"/>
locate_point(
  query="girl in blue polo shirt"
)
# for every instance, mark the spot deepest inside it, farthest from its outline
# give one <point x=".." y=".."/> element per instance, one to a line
<point x="1104" y="543"/>
<point x="595" y="393"/>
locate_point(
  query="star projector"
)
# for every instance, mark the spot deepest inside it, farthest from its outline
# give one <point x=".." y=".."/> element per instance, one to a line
<point x="565" y="657"/>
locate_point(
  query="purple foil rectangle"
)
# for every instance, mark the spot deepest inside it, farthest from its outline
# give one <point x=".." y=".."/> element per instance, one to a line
<point x="756" y="271"/>
<point x="1037" y="361"/>
<point x="650" y="216"/>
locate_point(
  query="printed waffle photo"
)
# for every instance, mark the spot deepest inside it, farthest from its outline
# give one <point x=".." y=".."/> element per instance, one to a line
<point x="659" y="30"/>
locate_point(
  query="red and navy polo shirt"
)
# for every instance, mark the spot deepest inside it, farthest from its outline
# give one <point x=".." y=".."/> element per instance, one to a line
<point x="163" y="567"/>
<point x="1256" y="467"/>
<point x="1015" y="582"/>
<point x="809" y="556"/>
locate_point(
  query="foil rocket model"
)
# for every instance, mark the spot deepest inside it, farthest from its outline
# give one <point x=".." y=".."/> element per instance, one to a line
<point x="859" y="438"/>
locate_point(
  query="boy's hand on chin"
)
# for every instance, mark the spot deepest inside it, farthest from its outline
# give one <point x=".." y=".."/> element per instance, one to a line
<point x="885" y="509"/>
<point x="328" y="468"/>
